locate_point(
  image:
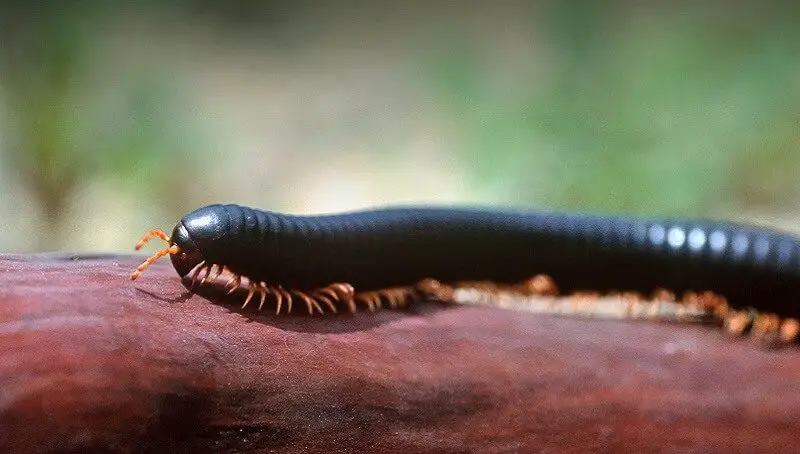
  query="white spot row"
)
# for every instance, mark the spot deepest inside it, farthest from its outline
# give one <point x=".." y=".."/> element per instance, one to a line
<point x="696" y="239"/>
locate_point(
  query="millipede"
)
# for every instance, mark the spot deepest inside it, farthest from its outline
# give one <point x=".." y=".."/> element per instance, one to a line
<point x="746" y="277"/>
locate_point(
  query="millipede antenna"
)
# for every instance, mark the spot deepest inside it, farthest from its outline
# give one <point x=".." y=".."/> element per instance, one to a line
<point x="169" y="250"/>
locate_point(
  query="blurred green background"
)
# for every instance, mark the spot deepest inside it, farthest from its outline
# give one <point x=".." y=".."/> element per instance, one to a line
<point x="122" y="116"/>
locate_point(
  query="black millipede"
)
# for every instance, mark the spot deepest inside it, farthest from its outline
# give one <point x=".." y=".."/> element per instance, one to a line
<point x="393" y="255"/>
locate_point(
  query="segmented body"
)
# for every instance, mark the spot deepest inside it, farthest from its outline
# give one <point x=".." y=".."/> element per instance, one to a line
<point x="398" y="247"/>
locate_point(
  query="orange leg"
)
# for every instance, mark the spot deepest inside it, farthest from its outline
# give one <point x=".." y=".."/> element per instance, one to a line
<point x="342" y="292"/>
<point x="310" y="303"/>
<point x="262" y="289"/>
<point x="790" y="330"/>
<point x="251" y="290"/>
<point x="320" y="299"/>
<point x="214" y="275"/>
<point x="208" y="269"/>
<point x="234" y="283"/>
<point x="289" y="301"/>
<point x="327" y="301"/>
<point x="283" y="295"/>
<point x="202" y="265"/>
<point x="368" y="299"/>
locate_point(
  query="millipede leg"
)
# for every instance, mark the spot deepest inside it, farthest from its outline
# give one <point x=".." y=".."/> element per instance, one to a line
<point x="251" y="290"/>
<point x="766" y="323"/>
<point x="279" y="297"/>
<point x="394" y="299"/>
<point x="288" y="298"/>
<point x="311" y="300"/>
<point x="790" y="330"/>
<point x="316" y="300"/>
<point x="327" y="291"/>
<point x="208" y="272"/>
<point x="306" y="300"/>
<point x="234" y="283"/>
<point x="262" y="290"/>
<point x="738" y="322"/>
<point x="196" y="273"/>
<point x="368" y="299"/>
<point x="399" y="297"/>
<point x="343" y="292"/>
<point x="282" y="295"/>
<point x="327" y="302"/>
<point x="359" y="298"/>
<point x="435" y="290"/>
<point x="541" y="284"/>
<point x="375" y="301"/>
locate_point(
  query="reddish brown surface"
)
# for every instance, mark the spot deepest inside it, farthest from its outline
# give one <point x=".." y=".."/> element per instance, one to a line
<point x="89" y="359"/>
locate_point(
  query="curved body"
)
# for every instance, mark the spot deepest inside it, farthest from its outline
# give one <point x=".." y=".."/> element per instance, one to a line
<point x="400" y="246"/>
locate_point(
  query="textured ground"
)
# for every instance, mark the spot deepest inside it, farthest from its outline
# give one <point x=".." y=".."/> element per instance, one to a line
<point x="89" y="359"/>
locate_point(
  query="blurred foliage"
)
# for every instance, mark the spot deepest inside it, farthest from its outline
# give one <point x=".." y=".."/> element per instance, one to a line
<point x="41" y="61"/>
<point x="695" y="114"/>
<point x="67" y="128"/>
<point x="657" y="108"/>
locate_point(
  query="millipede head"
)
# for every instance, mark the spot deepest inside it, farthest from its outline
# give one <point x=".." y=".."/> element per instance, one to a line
<point x="184" y="253"/>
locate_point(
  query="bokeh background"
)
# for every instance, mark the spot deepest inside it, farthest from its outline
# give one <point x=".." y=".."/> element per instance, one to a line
<point x="122" y="116"/>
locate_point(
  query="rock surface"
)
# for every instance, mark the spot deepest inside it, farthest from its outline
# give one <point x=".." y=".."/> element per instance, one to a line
<point x="92" y="361"/>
